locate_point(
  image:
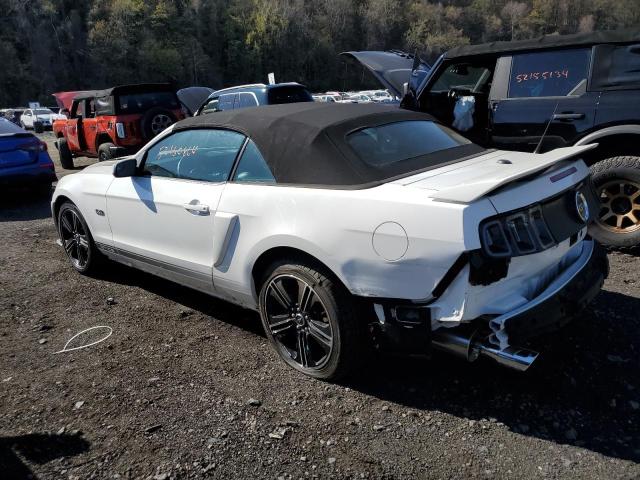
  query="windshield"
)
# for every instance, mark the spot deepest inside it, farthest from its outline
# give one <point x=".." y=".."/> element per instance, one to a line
<point x="290" y="94"/>
<point x="396" y="143"/>
<point x="42" y="111"/>
<point x="141" y="102"/>
<point x="8" y="128"/>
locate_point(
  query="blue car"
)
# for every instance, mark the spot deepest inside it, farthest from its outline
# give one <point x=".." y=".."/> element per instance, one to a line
<point x="24" y="160"/>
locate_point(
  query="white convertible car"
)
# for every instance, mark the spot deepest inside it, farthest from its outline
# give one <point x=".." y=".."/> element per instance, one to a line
<point x="349" y="226"/>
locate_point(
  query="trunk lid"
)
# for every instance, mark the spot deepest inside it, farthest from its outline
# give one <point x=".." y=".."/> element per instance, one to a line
<point x="392" y="69"/>
<point x="467" y="181"/>
<point x="18" y="149"/>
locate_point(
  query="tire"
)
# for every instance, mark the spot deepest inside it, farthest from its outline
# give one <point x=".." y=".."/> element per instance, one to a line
<point x="156" y="120"/>
<point x="86" y="258"/>
<point x="327" y="359"/>
<point x="66" y="159"/>
<point x="104" y="151"/>
<point x="617" y="181"/>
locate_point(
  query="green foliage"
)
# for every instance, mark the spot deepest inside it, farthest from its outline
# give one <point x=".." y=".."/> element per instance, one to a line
<point x="53" y="45"/>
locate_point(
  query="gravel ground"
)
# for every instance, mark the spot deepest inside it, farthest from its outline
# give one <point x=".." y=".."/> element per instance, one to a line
<point x="187" y="387"/>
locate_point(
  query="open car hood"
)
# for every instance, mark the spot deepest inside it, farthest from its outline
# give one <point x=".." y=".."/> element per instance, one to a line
<point x="193" y="97"/>
<point x="392" y="68"/>
<point x="65" y="99"/>
<point x="469" y="180"/>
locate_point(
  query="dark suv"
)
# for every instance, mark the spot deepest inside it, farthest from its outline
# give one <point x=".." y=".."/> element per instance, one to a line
<point x="541" y="94"/>
<point x="254" y="95"/>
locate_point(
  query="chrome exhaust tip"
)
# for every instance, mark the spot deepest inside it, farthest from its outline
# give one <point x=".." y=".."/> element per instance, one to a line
<point x="473" y="346"/>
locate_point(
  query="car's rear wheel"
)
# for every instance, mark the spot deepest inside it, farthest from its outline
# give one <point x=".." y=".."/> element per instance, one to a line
<point x="310" y="320"/>
<point x="66" y="159"/>
<point x="104" y="151"/>
<point x="617" y="181"/>
<point x="76" y="239"/>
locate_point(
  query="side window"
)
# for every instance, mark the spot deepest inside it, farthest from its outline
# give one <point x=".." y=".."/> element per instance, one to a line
<point x="202" y="154"/>
<point x="616" y="67"/>
<point x="225" y="102"/>
<point x="549" y="74"/>
<point x="247" y="100"/>
<point x="463" y="76"/>
<point x="253" y="167"/>
<point x="91" y="108"/>
<point x="78" y="109"/>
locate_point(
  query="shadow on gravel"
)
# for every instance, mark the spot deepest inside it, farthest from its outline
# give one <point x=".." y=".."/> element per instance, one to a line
<point x="24" y="204"/>
<point x="206" y="304"/>
<point x="36" y="448"/>
<point x="584" y="390"/>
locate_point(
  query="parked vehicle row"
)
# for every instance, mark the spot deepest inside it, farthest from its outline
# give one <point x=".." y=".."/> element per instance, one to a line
<point x="365" y="96"/>
<point x="45" y="116"/>
<point x="466" y="220"/>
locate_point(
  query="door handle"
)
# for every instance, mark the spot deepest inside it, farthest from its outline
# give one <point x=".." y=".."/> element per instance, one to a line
<point x="568" y="116"/>
<point x="196" y="207"/>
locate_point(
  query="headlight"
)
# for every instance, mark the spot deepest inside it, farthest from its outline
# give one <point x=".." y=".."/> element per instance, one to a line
<point x="120" y="130"/>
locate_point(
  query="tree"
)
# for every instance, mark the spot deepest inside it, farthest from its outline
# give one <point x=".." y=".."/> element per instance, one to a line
<point x="512" y="13"/>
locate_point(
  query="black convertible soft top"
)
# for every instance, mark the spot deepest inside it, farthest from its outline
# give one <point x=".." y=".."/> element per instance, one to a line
<point x="304" y="143"/>
<point x="547" y="42"/>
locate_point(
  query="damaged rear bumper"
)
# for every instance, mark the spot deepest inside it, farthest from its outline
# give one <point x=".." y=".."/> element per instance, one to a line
<point x="499" y="337"/>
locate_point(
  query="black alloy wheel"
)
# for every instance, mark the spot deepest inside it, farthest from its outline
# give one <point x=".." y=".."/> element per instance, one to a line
<point x="310" y="319"/>
<point x="298" y="321"/>
<point x="76" y="238"/>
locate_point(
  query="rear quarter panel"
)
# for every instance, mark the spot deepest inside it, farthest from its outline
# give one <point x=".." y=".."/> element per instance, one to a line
<point x="336" y="227"/>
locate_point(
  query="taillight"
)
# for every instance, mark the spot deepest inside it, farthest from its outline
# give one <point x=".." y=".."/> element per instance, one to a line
<point x="36" y="147"/>
<point x="519" y="233"/>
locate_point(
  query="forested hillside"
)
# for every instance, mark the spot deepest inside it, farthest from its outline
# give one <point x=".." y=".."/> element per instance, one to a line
<point x="51" y="45"/>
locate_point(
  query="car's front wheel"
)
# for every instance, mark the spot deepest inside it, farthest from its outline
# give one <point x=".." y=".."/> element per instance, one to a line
<point x="617" y="181"/>
<point x="310" y="320"/>
<point x="66" y="158"/>
<point x="76" y="239"/>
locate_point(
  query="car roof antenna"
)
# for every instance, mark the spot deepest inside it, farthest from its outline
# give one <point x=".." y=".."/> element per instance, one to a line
<point x="546" y="129"/>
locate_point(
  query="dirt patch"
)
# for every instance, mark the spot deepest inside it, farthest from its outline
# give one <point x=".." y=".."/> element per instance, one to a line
<point x="187" y="387"/>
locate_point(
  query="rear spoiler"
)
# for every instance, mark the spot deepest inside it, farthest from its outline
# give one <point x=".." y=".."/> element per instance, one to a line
<point x="527" y="164"/>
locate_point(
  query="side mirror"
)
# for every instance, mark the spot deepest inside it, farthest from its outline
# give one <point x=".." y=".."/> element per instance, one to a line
<point x="65" y="112"/>
<point x="125" y="168"/>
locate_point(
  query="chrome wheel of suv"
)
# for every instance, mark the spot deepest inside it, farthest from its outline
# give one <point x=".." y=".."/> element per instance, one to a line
<point x="159" y="122"/>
